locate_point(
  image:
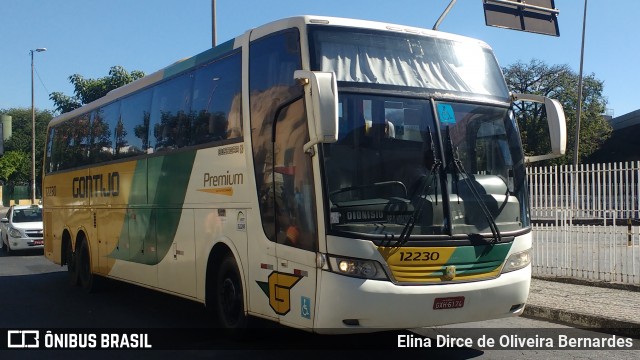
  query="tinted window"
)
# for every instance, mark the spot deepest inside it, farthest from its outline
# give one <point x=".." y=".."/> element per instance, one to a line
<point x="51" y="162"/>
<point x="72" y="143"/>
<point x="273" y="61"/>
<point x="132" y="131"/>
<point x="100" y="147"/>
<point x="170" y="125"/>
<point x="283" y="172"/>
<point x="27" y="215"/>
<point x="83" y="134"/>
<point x="216" y="105"/>
<point x="108" y="116"/>
<point x="195" y="108"/>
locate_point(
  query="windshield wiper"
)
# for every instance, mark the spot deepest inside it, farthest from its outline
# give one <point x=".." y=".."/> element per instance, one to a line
<point x="422" y="192"/>
<point x="456" y="169"/>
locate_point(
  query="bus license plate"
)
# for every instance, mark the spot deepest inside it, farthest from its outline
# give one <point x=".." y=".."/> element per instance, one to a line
<point x="448" y="303"/>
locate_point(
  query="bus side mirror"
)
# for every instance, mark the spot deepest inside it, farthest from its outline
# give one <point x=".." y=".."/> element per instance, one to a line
<point x="321" y="97"/>
<point x="555" y="120"/>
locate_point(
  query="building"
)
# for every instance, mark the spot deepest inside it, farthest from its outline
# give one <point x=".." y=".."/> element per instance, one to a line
<point x="623" y="145"/>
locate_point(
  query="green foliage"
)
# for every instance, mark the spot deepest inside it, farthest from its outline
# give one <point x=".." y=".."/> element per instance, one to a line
<point x="561" y="83"/>
<point x="15" y="167"/>
<point x="19" y="146"/>
<point x="88" y="90"/>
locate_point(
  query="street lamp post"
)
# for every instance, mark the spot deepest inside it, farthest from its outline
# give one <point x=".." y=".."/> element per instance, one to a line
<point x="214" y="35"/>
<point x="33" y="132"/>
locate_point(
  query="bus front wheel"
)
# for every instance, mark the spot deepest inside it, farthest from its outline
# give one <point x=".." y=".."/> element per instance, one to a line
<point x="228" y="296"/>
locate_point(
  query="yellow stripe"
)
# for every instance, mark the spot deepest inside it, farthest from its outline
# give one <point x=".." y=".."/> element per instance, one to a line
<point x="219" y="191"/>
<point x="426" y="264"/>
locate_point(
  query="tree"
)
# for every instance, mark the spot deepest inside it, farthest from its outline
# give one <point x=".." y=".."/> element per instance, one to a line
<point x="561" y="83"/>
<point x="15" y="167"/>
<point x="88" y="90"/>
<point x="15" y="164"/>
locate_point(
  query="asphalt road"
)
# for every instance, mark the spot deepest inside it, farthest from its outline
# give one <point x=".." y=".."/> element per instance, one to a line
<point x="34" y="294"/>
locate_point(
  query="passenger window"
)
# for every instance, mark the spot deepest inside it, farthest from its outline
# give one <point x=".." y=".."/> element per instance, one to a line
<point x="216" y="105"/>
<point x="169" y="125"/>
<point x="132" y="132"/>
<point x="100" y="140"/>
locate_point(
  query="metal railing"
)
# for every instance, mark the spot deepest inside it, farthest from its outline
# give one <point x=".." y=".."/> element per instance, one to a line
<point x="585" y="221"/>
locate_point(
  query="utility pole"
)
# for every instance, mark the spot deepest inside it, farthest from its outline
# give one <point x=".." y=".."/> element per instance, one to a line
<point x="33" y="132"/>
<point x="579" y="110"/>
<point x="214" y="39"/>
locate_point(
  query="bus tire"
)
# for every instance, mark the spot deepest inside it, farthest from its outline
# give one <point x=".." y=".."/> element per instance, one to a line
<point x="228" y="296"/>
<point x="86" y="277"/>
<point x="72" y="263"/>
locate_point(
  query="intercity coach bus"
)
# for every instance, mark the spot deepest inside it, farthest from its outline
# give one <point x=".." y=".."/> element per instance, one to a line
<point x="328" y="174"/>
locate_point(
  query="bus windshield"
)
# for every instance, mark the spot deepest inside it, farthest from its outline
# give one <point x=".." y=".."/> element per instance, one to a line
<point x="448" y="168"/>
<point x="390" y="164"/>
<point x="445" y="66"/>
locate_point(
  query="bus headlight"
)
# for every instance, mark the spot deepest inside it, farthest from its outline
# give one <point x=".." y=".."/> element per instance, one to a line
<point x="517" y="261"/>
<point x="366" y="269"/>
<point x="15" y="233"/>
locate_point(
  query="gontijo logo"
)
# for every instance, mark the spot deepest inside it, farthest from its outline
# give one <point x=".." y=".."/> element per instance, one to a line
<point x="278" y="289"/>
<point x="98" y="185"/>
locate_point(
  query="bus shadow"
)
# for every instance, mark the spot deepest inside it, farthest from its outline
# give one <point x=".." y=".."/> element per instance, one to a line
<point x="48" y="301"/>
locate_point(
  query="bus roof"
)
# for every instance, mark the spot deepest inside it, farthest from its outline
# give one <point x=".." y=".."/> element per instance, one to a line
<point x="226" y="47"/>
<point x="302" y="20"/>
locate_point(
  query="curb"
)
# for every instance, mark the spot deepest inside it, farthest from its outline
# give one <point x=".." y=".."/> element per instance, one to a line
<point x="584" y="282"/>
<point x="584" y="321"/>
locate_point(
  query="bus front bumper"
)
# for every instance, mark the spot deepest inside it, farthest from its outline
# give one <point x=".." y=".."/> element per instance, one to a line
<point x="347" y="304"/>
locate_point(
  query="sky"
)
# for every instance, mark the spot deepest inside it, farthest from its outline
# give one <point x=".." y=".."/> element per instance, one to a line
<point x="88" y="37"/>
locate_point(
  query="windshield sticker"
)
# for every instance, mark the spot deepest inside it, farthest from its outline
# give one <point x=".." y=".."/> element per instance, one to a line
<point x="446" y="114"/>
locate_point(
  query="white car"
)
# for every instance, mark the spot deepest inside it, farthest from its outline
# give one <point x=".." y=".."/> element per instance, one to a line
<point x="21" y="228"/>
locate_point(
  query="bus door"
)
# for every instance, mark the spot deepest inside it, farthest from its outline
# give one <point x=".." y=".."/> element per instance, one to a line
<point x="284" y="177"/>
<point x="283" y="260"/>
<point x="296" y="228"/>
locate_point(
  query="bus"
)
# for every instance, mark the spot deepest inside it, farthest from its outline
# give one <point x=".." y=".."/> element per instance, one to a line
<point x="328" y="174"/>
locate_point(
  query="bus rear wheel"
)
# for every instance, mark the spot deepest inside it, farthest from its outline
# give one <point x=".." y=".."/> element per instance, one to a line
<point x="72" y="264"/>
<point x="85" y="275"/>
<point x="228" y="296"/>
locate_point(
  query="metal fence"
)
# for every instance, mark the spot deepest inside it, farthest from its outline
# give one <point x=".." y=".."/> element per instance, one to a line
<point x="586" y="221"/>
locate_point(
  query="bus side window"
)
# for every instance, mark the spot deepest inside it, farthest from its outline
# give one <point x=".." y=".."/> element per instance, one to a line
<point x="216" y="101"/>
<point x="169" y="123"/>
<point x="100" y="139"/>
<point x="49" y="159"/>
<point x="132" y="132"/>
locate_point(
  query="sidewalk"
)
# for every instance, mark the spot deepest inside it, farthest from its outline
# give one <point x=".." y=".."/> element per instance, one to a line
<point x="614" y="310"/>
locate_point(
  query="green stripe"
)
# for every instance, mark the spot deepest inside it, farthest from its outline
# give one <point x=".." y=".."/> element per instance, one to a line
<point x="158" y="191"/>
<point x="199" y="59"/>
<point x="470" y="260"/>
